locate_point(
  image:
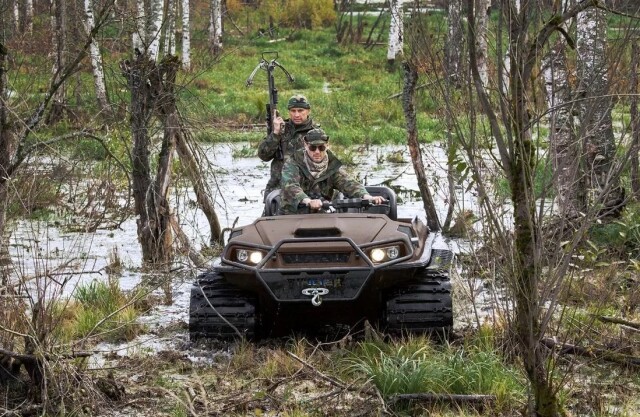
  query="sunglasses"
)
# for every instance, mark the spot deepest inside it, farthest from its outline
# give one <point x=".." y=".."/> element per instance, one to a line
<point x="321" y="148"/>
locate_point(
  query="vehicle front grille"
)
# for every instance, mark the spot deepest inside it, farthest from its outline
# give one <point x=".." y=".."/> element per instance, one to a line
<point x="316" y="258"/>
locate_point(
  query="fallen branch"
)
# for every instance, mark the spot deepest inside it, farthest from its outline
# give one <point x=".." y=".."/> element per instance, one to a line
<point x="320" y="374"/>
<point x="396" y="95"/>
<point x="183" y="239"/>
<point x="33" y="358"/>
<point x="616" y="320"/>
<point x="594" y="353"/>
<point x="27" y="410"/>
<point x="446" y="398"/>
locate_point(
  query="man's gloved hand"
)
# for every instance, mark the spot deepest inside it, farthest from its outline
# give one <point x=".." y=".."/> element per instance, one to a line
<point x="375" y="200"/>
<point x="314" y="205"/>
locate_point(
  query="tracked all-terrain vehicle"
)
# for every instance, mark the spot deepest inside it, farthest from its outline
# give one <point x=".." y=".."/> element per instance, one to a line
<point x="302" y="272"/>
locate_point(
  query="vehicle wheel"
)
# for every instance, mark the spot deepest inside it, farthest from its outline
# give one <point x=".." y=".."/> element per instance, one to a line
<point x="219" y="310"/>
<point x="422" y="306"/>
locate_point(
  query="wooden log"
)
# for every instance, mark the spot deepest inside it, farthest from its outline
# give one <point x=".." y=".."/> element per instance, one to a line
<point x="444" y="398"/>
<point x="595" y="353"/>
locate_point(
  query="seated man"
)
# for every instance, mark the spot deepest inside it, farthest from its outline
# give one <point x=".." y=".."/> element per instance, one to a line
<point x="315" y="171"/>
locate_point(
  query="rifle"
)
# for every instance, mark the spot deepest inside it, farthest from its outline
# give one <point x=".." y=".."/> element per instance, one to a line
<point x="272" y="106"/>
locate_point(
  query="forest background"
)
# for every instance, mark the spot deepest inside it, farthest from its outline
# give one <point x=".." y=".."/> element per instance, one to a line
<point x="536" y="103"/>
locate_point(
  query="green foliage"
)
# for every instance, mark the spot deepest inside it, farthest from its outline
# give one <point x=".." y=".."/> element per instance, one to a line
<point x="417" y="365"/>
<point x="620" y="238"/>
<point x="307" y="14"/>
<point x="246" y="151"/>
<point x="102" y="308"/>
<point x="89" y="149"/>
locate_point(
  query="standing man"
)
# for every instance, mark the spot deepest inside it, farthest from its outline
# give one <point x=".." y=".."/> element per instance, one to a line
<point x="285" y="139"/>
<point x="313" y="173"/>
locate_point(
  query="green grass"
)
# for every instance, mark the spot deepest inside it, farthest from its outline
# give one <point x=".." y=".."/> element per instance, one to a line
<point x="102" y="309"/>
<point x="418" y="366"/>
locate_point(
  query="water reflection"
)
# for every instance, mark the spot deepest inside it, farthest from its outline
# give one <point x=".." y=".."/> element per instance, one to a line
<point x="238" y="184"/>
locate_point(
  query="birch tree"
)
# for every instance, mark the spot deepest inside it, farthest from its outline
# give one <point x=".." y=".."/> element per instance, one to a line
<point x="154" y="28"/>
<point x="59" y="23"/>
<point x="96" y="63"/>
<point x="596" y="125"/>
<point x="532" y="280"/>
<point x="454" y="45"/>
<point x="566" y="149"/>
<point x="482" y="22"/>
<point x="396" y="31"/>
<point x="215" y="26"/>
<point x="409" y="108"/>
<point x="16" y="130"/>
<point x="170" y="29"/>
<point x="186" y="36"/>
<point x="16" y="16"/>
<point x="139" y="38"/>
<point x="455" y="71"/>
<point x="26" y="15"/>
<point x="152" y="89"/>
<point x="635" y="119"/>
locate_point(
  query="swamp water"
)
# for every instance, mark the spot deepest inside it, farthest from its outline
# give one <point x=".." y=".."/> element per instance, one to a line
<point x="74" y="258"/>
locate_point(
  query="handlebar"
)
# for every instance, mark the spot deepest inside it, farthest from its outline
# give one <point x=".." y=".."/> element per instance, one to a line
<point x="348" y="205"/>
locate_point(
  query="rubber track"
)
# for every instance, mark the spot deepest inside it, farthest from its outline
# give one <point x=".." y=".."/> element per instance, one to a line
<point x="422" y="306"/>
<point x="235" y="305"/>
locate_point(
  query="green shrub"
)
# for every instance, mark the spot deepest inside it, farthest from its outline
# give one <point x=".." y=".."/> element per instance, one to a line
<point x="416" y="366"/>
<point x="103" y="310"/>
<point x="620" y="238"/>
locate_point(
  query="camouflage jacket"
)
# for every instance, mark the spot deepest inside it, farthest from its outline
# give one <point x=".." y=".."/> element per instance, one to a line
<point x="298" y="183"/>
<point x="269" y="149"/>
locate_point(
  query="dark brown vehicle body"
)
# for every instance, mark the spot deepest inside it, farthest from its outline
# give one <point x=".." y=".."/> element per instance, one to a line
<point x="315" y="270"/>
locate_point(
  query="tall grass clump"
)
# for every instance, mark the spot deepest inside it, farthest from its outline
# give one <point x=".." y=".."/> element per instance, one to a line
<point x="416" y="365"/>
<point x="104" y="311"/>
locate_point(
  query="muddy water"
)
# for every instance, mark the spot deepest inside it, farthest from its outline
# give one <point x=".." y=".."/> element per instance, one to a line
<point x="78" y="258"/>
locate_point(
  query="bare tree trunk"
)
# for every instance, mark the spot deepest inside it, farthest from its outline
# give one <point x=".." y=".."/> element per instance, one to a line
<point x="139" y="35"/>
<point x="396" y="31"/>
<point x="7" y="146"/>
<point x="455" y="70"/>
<point x="153" y="89"/>
<point x="482" y="25"/>
<point x="215" y="27"/>
<point x="137" y="74"/>
<point x="596" y="125"/>
<point x="186" y="36"/>
<point x="154" y="29"/>
<point x="516" y="152"/>
<point x="635" y="120"/>
<point x="203" y="195"/>
<point x="170" y="29"/>
<point x="179" y="135"/>
<point x="25" y="11"/>
<point x="566" y="151"/>
<point x="56" y="113"/>
<point x="408" y="104"/>
<point x="96" y="64"/>
<point x="454" y="46"/>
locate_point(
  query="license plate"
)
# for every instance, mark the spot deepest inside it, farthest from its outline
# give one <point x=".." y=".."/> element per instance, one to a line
<point x="324" y="282"/>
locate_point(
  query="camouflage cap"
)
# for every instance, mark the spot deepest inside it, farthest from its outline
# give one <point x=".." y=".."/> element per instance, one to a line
<point x="316" y="137"/>
<point x="298" y="101"/>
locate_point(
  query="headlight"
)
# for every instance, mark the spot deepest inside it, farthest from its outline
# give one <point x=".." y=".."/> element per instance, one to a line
<point x="249" y="257"/>
<point x="255" y="257"/>
<point x="377" y="255"/>
<point x="385" y="254"/>
<point x="242" y="255"/>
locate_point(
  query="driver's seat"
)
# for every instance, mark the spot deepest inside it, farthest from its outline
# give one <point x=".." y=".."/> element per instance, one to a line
<point x="272" y="203"/>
